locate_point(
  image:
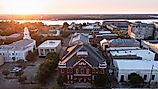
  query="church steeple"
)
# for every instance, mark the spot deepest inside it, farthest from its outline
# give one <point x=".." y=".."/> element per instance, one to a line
<point x="26" y="33"/>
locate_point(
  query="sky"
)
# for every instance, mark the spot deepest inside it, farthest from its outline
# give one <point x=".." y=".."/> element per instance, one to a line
<point x="78" y="6"/>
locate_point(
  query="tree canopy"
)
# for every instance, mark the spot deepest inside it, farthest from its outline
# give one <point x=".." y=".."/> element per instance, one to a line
<point x="135" y="79"/>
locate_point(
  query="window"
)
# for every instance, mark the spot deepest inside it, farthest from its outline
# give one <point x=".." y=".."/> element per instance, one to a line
<point x="153" y="77"/>
<point x="52" y="50"/>
<point x="77" y="71"/>
<point x="71" y="77"/>
<point x="62" y="70"/>
<point x="145" y="77"/>
<point x="87" y="71"/>
<point x="82" y="70"/>
<point x="68" y="77"/>
<point x="122" y="78"/>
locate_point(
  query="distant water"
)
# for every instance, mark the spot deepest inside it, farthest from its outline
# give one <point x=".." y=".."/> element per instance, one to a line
<point x="60" y="22"/>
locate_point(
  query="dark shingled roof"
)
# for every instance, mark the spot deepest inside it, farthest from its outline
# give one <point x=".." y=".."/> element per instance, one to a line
<point x="124" y="43"/>
<point x="94" y="58"/>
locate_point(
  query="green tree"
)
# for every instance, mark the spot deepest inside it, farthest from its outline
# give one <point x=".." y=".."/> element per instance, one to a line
<point x="6" y="73"/>
<point x="65" y="25"/>
<point x="135" y="80"/>
<point x="61" y="80"/>
<point x="47" y="67"/>
<point x="19" y="74"/>
<point x="31" y="56"/>
<point x="101" y="80"/>
<point x="22" y="79"/>
<point x="65" y="34"/>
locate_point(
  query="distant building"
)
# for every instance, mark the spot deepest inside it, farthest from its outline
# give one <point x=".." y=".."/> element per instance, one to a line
<point x="146" y="69"/>
<point x="18" y="50"/>
<point x="104" y="44"/>
<point x="49" y="46"/>
<point x="92" y="26"/>
<point x="81" y="64"/>
<point x="123" y="25"/>
<point x="124" y="43"/>
<point x="13" y="36"/>
<point x="100" y="35"/>
<point x="156" y="31"/>
<point x="141" y="30"/>
<point x="43" y="33"/>
<point x="1" y="60"/>
<point x="78" y="38"/>
<point x="54" y="32"/>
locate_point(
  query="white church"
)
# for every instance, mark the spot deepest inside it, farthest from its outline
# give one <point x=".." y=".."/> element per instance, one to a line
<point x="18" y="50"/>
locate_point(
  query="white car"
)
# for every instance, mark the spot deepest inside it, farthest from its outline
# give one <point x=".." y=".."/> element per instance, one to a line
<point x="16" y="69"/>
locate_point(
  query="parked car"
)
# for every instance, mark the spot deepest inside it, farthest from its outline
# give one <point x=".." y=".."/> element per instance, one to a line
<point x="16" y="69"/>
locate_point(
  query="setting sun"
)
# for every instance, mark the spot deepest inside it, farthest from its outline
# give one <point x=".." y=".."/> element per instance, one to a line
<point x="24" y="6"/>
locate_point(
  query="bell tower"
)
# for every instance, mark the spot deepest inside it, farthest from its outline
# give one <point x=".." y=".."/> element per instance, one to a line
<point x="26" y="33"/>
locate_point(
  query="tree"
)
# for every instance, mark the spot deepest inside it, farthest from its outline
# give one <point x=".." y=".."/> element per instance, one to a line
<point x="22" y="79"/>
<point x="61" y="80"/>
<point x="84" y="24"/>
<point x="47" y="67"/>
<point x="65" y="34"/>
<point x="101" y="80"/>
<point x="65" y="25"/>
<point x="135" y="80"/>
<point x="31" y="56"/>
<point x="6" y="73"/>
<point x="19" y="73"/>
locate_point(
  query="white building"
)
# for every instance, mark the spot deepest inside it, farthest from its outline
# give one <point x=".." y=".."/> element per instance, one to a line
<point x="140" y="30"/>
<point x="78" y="38"/>
<point x="92" y="26"/>
<point x="123" y="68"/>
<point x="18" y="50"/>
<point x="145" y="54"/>
<point x="49" y="46"/>
<point x="104" y="44"/>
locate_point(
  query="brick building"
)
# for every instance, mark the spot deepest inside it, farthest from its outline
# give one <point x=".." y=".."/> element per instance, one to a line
<point x="81" y="64"/>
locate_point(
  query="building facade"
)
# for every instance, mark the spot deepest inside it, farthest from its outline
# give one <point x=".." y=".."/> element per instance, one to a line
<point x="18" y="50"/>
<point x="49" y="46"/>
<point x="82" y="64"/>
<point x="141" y="30"/>
<point x="146" y="69"/>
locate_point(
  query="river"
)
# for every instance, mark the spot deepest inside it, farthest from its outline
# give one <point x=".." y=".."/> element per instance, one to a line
<point x="60" y="22"/>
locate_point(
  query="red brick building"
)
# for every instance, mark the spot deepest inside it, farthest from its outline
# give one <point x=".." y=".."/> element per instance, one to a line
<point x="81" y="64"/>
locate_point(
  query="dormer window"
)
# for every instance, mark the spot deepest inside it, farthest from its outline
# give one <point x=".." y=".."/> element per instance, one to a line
<point x="82" y="54"/>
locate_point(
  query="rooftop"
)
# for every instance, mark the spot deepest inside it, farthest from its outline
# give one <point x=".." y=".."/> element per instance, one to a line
<point x="18" y="45"/>
<point x="93" y="55"/>
<point x="50" y="43"/>
<point x="124" y="43"/>
<point x="138" y="64"/>
<point x="78" y="38"/>
<point x="143" y="53"/>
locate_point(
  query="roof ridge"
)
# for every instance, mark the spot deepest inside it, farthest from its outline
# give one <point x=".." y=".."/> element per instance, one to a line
<point x="67" y="58"/>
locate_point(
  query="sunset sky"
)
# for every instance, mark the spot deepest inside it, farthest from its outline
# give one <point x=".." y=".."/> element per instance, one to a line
<point x="77" y="6"/>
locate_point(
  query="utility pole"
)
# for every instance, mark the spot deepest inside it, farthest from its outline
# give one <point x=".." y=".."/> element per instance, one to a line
<point x="151" y="75"/>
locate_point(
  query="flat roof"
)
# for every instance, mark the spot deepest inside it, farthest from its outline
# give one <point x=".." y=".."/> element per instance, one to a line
<point x="122" y="48"/>
<point x="50" y="43"/>
<point x="136" y="64"/>
<point x="144" y="53"/>
<point x="105" y="32"/>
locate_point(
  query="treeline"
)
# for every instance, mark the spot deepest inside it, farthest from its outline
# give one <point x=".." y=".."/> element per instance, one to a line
<point x="10" y="27"/>
<point x="47" y="67"/>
